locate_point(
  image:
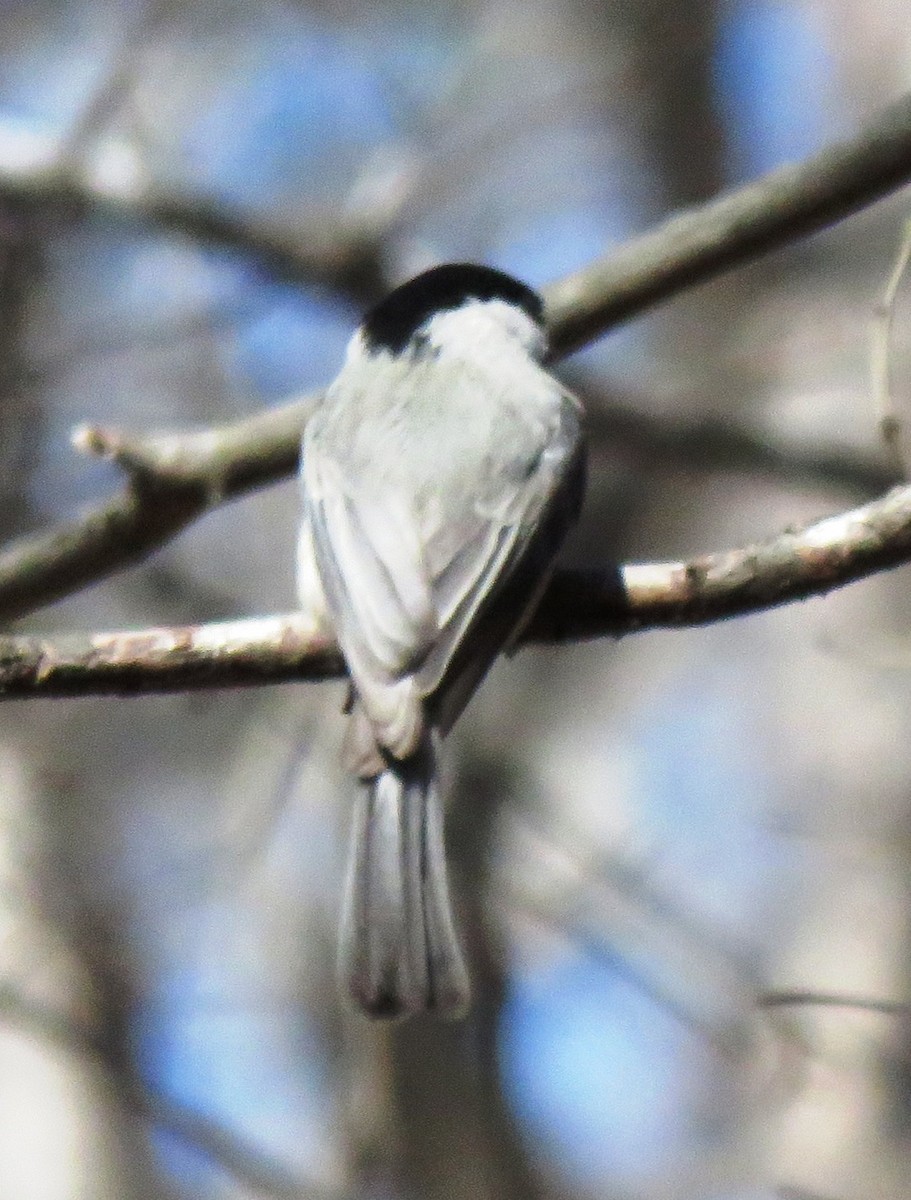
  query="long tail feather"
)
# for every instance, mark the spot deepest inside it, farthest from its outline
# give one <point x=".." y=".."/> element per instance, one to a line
<point x="399" y="953"/>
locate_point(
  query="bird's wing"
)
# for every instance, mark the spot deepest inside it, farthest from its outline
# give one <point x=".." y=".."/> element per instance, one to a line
<point x="517" y="537"/>
<point x="405" y="589"/>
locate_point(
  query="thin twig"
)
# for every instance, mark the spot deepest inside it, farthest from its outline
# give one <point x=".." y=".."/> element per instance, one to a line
<point x="891" y="423"/>
<point x="577" y="605"/>
<point x="811" y="999"/>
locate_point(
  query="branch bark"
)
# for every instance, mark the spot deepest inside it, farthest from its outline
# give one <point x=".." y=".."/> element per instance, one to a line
<point x="792" y="566"/>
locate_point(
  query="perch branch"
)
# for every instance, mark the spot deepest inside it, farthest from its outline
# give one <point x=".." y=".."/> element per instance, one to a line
<point x="578" y="604"/>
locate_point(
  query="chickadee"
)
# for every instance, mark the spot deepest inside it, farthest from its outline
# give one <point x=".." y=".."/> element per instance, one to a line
<point x="440" y="477"/>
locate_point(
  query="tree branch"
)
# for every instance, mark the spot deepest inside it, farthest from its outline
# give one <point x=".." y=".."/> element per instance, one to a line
<point x="577" y="605"/>
<point x="333" y="252"/>
<point x="706" y="442"/>
<point x="172" y="480"/>
<point x="175" y="479"/>
<point x="705" y="241"/>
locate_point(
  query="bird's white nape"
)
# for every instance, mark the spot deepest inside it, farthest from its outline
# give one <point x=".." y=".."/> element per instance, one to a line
<point x="481" y="325"/>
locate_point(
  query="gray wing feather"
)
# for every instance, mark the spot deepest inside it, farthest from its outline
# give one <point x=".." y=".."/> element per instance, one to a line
<point x="405" y="587"/>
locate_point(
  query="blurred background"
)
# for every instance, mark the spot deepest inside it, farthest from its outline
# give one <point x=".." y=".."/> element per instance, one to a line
<point x="682" y="862"/>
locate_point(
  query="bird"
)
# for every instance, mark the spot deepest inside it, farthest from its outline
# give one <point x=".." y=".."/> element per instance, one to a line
<point x="440" y="476"/>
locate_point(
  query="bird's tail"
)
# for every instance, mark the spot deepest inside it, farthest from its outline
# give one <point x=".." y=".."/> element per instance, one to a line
<point x="399" y="954"/>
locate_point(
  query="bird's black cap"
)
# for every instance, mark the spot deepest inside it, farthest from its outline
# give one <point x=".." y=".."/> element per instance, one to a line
<point x="395" y="320"/>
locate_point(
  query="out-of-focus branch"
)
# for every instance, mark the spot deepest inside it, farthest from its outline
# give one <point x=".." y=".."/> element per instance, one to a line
<point x="795" y="999"/>
<point x="619" y="913"/>
<point x="226" y="1148"/>
<point x="346" y="255"/>
<point x="687" y="249"/>
<point x="710" y="443"/>
<point x="20" y="417"/>
<point x="578" y="604"/>
<point x="704" y="241"/>
<point x="344" y="252"/>
<point x="112" y="93"/>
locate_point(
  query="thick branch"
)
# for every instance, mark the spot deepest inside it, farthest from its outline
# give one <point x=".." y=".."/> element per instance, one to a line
<point x="579" y="604"/>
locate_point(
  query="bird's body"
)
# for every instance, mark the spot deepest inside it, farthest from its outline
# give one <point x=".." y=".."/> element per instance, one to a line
<point x="440" y="476"/>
